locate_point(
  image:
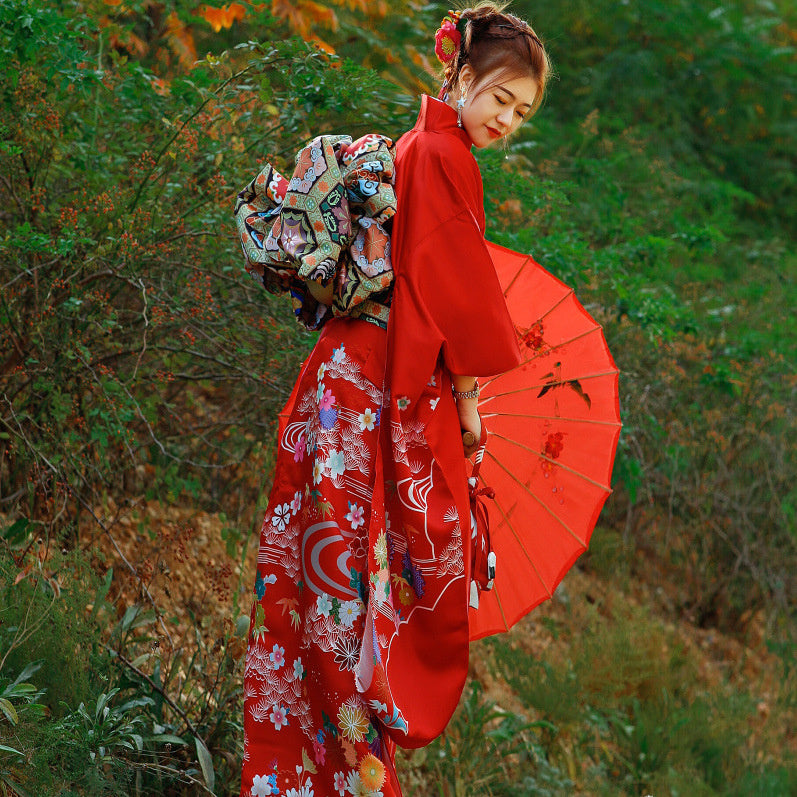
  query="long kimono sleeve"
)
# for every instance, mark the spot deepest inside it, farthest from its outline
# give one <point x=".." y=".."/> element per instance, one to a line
<point x="448" y="300"/>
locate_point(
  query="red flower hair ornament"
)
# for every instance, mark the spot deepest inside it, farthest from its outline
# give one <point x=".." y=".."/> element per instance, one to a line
<point x="448" y="38"/>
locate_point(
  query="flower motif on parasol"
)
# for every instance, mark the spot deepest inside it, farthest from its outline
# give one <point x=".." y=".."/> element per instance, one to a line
<point x="553" y="424"/>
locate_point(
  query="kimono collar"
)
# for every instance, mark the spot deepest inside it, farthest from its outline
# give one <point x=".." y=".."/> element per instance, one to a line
<point x="438" y="117"/>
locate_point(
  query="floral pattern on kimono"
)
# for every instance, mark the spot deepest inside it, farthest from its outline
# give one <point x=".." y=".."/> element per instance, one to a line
<point x="360" y="534"/>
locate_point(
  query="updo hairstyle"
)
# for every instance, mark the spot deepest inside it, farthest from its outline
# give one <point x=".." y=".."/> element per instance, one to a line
<point x="494" y="40"/>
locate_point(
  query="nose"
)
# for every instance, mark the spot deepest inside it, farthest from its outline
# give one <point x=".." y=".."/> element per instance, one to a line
<point x="505" y="117"/>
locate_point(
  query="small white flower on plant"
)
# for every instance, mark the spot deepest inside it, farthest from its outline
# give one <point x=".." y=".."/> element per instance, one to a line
<point x="279" y="716"/>
<point x="367" y="420"/>
<point x="324" y="605"/>
<point x="355" y="515"/>
<point x="277" y="656"/>
<point x="281" y="516"/>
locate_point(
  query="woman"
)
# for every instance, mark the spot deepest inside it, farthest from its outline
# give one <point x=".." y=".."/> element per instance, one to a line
<point x="359" y="632"/>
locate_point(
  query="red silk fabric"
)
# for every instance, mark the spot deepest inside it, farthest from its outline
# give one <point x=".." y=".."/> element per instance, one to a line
<point x="447" y="298"/>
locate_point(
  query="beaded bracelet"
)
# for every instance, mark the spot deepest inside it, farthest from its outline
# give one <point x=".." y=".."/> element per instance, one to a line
<point x="467" y="394"/>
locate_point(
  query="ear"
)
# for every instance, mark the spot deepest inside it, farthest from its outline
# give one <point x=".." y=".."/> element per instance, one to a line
<point x="466" y="77"/>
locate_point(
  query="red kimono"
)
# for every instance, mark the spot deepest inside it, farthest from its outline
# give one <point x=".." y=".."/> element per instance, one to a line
<point x="359" y="629"/>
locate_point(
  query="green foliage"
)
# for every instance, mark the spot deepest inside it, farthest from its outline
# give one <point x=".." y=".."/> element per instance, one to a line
<point x="44" y="624"/>
<point x="111" y="728"/>
<point x="135" y="345"/>
<point x="486" y="750"/>
<point x="87" y="751"/>
<point x="637" y="716"/>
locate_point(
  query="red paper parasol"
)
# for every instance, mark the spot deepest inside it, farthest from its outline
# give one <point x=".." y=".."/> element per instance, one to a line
<point x="553" y="425"/>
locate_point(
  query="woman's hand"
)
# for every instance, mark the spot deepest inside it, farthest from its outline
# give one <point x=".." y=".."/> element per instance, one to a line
<point x="470" y="421"/>
<point x="468" y="410"/>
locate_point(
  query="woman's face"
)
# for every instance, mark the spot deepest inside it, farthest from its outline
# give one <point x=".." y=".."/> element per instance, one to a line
<point x="495" y="107"/>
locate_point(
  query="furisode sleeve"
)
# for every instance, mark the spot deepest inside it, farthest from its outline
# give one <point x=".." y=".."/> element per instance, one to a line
<point x="448" y="299"/>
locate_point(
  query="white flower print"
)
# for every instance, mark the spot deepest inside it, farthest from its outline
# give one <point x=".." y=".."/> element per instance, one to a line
<point x="349" y="612"/>
<point x="302" y="791"/>
<point x="355" y="516"/>
<point x="335" y="463"/>
<point x="322" y="369"/>
<point x="433" y="402"/>
<point x="296" y="504"/>
<point x="340" y="783"/>
<point x="279" y="716"/>
<point x="432" y="381"/>
<point x="318" y="471"/>
<point x="260" y="786"/>
<point x="339" y="354"/>
<point x="355" y="786"/>
<point x="319" y="394"/>
<point x="367" y="420"/>
<point x="281" y="516"/>
<point x="277" y="656"/>
<point x="324" y="605"/>
<point x="298" y="669"/>
<point x="347" y="652"/>
<point x="403" y="402"/>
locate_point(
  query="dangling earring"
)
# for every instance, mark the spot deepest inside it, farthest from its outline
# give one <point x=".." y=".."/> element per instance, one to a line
<point x="463" y="96"/>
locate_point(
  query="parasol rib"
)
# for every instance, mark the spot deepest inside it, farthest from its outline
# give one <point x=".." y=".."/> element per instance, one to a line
<point x="539" y="501"/>
<point x="563" y="298"/>
<point x="547" y="352"/>
<point x="558" y="464"/>
<point x="508" y="522"/>
<point x="500" y="607"/>
<point x="527" y="388"/>
<point x="517" y="274"/>
<point x="616" y="424"/>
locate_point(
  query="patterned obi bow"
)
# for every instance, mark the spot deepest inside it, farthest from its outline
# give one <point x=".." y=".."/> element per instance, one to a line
<point x="329" y="222"/>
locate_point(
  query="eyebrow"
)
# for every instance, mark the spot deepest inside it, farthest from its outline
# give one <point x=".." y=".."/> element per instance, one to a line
<point x="511" y="94"/>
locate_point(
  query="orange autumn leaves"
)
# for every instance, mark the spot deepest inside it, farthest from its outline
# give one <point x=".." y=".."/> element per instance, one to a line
<point x="302" y="15"/>
<point x="176" y="31"/>
<point x="223" y="17"/>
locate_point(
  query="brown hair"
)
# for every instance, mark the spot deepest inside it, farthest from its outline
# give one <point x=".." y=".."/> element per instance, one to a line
<point x="494" y="40"/>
